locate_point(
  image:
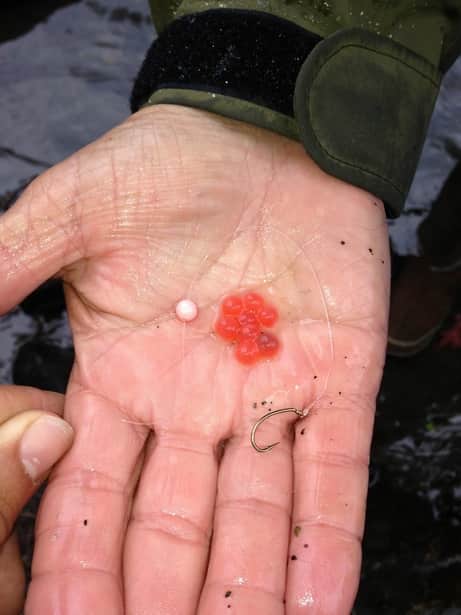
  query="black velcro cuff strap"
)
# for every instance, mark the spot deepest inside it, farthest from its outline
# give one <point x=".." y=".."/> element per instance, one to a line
<point x="249" y="55"/>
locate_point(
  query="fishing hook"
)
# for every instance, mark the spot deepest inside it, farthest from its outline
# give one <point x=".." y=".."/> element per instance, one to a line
<point x="265" y="449"/>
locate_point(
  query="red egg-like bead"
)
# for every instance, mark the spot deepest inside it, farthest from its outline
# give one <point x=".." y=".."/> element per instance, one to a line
<point x="249" y="332"/>
<point x="268" y="345"/>
<point x="253" y="301"/>
<point x="267" y="316"/>
<point x="247" y="352"/>
<point x="228" y="327"/>
<point x="242" y="320"/>
<point x="249" y="326"/>
<point x="232" y="305"/>
<point x="247" y="318"/>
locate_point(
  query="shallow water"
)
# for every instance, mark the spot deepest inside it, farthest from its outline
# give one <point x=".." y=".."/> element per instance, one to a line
<point x="64" y="82"/>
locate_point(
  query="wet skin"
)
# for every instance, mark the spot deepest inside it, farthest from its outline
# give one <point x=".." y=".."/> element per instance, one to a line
<point x="22" y="408"/>
<point x="162" y="505"/>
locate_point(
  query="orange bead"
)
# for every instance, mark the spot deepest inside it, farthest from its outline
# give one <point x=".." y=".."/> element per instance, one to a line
<point x="267" y="316"/>
<point x="249" y="326"/>
<point x="227" y="327"/>
<point x="249" y="332"/>
<point x="232" y="305"/>
<point x="247" y="318"/>
<point x="253" y="301"/>
<point x="247" y="352"/>
<point x="268" y="345"/>
<point x="241" y="320"/>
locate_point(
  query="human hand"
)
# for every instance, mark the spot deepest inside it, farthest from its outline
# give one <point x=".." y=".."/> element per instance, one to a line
<point x="149" y="513"/>
<point x="32" y="439"/>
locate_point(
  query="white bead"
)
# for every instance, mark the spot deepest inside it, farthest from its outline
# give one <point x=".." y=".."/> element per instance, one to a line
<point x="186" y="310"/>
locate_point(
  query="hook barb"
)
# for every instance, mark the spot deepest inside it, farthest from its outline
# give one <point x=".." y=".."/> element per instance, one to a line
<point x="268" y="415"/>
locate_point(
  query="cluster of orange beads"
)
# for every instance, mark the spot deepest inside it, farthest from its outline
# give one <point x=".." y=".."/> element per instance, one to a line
<point x="241" y="320"/>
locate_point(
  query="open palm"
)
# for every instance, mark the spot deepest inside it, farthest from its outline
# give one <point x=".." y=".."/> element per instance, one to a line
<point x="162" y="506"/>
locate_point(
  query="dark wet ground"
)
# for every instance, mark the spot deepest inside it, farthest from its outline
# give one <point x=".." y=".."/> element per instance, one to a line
<point x="412" y="546"/>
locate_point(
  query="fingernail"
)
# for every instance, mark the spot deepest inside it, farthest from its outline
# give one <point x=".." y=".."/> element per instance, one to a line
<point x="43" y="443"/>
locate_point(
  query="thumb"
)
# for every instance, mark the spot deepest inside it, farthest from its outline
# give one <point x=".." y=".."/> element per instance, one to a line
<point x="30" y="443"/>
<point x="38" y="234"/>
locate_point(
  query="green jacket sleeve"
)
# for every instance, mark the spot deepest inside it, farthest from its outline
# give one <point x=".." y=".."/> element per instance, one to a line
<point x="163" y="12"/>
<point x="354" y="80"/>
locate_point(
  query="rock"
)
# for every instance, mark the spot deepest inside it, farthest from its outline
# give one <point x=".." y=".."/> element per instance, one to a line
<point x="43" y="365"/>
<point x="47" y="301"/>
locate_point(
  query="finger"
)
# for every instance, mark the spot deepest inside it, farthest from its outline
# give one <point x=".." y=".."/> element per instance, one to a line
<point x="16" y="399"/>
<point x="331" y="455"/>
<point x="168" y="538"/>
<point x="40" y="234"/>
<point x="30" y="443"/>
<point x="247" y="565"/>
<point x="12" y="579"/>
<point x="72" y="211"/>
<point x="84" y="511"/>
